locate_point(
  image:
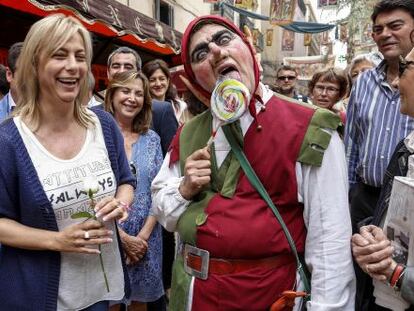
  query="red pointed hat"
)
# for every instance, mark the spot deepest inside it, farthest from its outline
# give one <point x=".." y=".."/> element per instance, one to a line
<point x="185" y="45"/>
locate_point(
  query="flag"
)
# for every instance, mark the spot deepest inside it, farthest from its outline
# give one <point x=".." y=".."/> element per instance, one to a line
<point x="282" y="11"/>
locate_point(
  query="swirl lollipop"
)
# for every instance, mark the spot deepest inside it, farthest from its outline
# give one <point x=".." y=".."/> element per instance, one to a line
<point x="228" y="102"/>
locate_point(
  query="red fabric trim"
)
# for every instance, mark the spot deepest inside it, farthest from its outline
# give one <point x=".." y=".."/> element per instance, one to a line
<point x="174" y="148"/>
<point x="396" y="274"/>
<point x="342" y="115"/>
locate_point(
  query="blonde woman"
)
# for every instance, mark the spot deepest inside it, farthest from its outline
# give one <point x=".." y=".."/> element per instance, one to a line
<point x="49" y="259"/>
<point x="128" y="100"/>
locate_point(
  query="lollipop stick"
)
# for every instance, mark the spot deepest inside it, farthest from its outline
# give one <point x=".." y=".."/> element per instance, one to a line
<point x="213" y="134"/>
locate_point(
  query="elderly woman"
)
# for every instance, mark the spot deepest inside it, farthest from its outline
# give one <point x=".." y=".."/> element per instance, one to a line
<point x="358" y="65"/>
<point x="53" y="257"/>
<point x="371" y="248"/>
<point x="233" y="254"/>
<point x="327" y="88"/>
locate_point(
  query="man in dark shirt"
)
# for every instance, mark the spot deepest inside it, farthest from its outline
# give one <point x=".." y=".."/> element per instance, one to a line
<point x="286" y="78"/>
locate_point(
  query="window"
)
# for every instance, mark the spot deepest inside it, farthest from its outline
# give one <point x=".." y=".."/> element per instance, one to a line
<point x="225" y="10"/>
<point x="164" y="13"/>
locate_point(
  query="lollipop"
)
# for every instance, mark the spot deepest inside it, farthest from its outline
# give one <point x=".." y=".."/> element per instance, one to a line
<point x="228" y="102"/>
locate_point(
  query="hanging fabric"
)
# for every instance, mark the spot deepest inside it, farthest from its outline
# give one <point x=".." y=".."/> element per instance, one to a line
<point x="300" y="27"/>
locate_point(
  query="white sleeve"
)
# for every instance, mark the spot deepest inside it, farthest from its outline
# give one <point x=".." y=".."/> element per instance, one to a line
<point x="167" y="202"/>
<point x="324" y="191"/>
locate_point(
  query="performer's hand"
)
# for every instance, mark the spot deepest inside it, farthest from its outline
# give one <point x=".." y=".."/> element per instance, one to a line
<point x="373" y="252"/>
<point x="196" y="173"/>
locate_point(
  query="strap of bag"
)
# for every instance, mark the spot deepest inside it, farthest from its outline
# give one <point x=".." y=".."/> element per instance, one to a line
<point x="257" y="184"/>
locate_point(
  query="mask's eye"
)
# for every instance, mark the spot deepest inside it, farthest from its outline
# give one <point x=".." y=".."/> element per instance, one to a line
<point x="200" y="55"/>
<point x="224" y="39"/>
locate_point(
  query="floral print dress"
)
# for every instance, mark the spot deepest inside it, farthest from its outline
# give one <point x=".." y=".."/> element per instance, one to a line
<point x="146" y="275"/>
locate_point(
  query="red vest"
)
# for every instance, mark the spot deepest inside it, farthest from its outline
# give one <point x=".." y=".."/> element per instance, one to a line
<point x="244" y="227"/>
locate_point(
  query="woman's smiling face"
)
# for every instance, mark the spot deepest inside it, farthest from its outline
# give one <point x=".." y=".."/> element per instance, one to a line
<point x="158" y="83"/>
<point x="128" y="100"/>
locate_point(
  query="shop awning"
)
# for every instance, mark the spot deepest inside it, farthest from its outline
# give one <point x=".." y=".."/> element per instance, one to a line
<point x="112" y="23"/>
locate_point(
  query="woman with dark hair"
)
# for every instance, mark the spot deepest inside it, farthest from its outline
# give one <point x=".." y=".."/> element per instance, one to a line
<point x="327" y="88"/>
<point x="128" y="100"/>
<point x="162" y="89"/>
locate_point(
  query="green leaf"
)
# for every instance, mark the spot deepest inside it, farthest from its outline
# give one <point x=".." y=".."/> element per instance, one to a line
<point x="90" y="194"/>
<point x="81" y="215"/>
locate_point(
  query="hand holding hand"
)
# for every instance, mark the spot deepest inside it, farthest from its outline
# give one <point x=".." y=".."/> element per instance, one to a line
<point x="80" y="238"/>
<point x="134" y="247"/>
<point x="196" y="173"/>
<point x="373" y="252"/>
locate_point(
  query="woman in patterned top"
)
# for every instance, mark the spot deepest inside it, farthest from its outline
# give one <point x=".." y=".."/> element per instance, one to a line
<point x="129" y="101"/>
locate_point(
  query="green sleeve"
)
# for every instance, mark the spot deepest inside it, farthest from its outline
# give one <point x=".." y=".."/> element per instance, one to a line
<point x="317" y="137"/>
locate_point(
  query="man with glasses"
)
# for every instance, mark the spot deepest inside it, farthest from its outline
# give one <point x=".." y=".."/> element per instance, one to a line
<point x="286" y="78"/>
<point x="374" y="123"/>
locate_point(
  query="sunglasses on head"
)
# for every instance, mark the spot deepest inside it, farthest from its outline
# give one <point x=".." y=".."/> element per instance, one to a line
<point x="282" y="78"/>
<point x="403" y="65"/>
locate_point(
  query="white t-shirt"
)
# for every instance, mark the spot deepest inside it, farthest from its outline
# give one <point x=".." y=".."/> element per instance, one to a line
<point x="81" y="281"/>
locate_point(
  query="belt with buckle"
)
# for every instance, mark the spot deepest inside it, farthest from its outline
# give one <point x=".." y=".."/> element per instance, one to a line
<point x="198" y="263"/>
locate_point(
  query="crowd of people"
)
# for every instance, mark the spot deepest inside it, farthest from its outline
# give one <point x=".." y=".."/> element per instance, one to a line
<point x="136" y="198"/>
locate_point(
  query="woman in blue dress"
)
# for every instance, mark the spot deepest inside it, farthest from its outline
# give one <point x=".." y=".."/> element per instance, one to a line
<point x="129" y="101"/>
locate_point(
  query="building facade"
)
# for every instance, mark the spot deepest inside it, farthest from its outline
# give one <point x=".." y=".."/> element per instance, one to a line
<point x="281" y="43"/>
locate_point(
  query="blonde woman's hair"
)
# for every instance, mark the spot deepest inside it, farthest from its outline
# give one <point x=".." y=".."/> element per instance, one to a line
<point x="44" y="38"/>
<point x="142" y="120"/>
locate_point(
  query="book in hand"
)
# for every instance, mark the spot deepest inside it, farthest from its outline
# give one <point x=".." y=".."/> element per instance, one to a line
<point x="399" y="228"/>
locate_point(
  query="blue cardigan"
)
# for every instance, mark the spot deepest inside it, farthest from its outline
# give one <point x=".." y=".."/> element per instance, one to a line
<point x="29" y="280"/>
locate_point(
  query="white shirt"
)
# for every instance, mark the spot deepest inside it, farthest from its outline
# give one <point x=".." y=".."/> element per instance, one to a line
<point x="12" y="103"/>
<point x="324" y="193"/>
<point x="93" y="102"/>
<point x="81" y="281"/>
